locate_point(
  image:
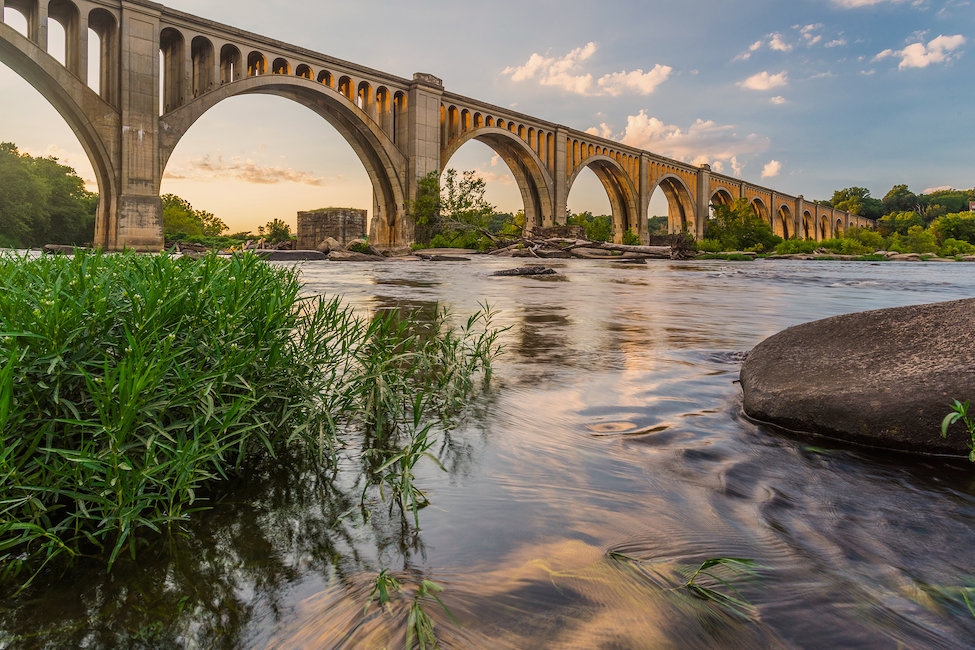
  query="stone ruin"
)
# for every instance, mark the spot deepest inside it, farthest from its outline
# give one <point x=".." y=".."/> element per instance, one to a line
<point x="342" y="224"/>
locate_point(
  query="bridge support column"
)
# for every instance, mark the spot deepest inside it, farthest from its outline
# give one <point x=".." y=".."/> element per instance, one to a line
<point x="643" y="187"/>
<point x="139" y="215"/>
<point x="702" y="201"/>
<point x="422" y="149"/>
<point x="561" y="176"/>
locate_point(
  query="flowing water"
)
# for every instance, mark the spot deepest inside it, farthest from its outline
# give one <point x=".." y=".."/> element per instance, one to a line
<point x="607" y="457"/>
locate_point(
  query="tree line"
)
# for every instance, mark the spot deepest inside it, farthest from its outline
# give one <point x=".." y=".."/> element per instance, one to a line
<point x="45" y="202"/>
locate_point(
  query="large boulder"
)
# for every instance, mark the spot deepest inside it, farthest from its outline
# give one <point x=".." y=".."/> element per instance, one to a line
<point x="882" y="378"/>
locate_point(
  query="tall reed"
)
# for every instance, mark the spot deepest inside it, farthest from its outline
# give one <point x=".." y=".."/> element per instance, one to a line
<point x="131" y="384"/>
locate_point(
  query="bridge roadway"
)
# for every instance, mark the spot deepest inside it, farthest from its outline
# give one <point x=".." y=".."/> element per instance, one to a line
<point x="401" y="129"/>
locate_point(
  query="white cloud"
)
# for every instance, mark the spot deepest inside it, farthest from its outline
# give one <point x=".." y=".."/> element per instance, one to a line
<point x="940" y="188"/>
<point x="772" y="169"/>
<point x="919" y="55"/>
<point x="568" y="73"/>
<point x="638" y="81"/>
<point x="855" y="4"/>
<point x="765" y="81"/>
<point x="778" y="100"/>
<point x="836" y="42"/>
<point x="809" y="35"/>
<point x="778" y="44"/>
<point x="704" y="141"/>
<point x="241" y="169"/>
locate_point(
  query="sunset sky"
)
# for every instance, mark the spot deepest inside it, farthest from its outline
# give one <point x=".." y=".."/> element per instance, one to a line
<point x="805" y="96"/>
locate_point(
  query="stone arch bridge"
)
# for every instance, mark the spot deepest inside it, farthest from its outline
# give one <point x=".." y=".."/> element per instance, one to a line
<point x="160" y="70"/>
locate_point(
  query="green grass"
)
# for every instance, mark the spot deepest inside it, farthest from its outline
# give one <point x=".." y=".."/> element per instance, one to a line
<point x="131" y="385"/>
<point x="731" y="257"/>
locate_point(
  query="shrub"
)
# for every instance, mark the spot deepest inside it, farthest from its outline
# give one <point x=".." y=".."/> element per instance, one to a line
<point x="952" y="247"/>
<point x="796" y="246"/>
<point x="709" y="246"/>
<point x="630" y="238"/>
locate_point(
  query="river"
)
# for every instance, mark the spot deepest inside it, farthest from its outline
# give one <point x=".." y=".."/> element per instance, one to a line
<point x="607" y="457"/>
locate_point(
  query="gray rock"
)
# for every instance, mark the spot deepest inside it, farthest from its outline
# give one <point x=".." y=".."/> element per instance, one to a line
<point x="350" y="256"/>
<point x="526" y="270"/>
<point x="883" y="378"/>
<point x="904" y="257"/>
<point x="330" y="244"/>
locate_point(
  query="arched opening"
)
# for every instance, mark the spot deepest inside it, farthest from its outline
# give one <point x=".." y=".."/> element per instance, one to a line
<point x="783" y="223"/>
<point x="808" y="226"/>
<point x="66" y="45"/>
<point x="345" y="88"/>
<point x="623" y="198"/>
<point x="500" y="186"/>
<point x="23" y="17"/>
<point x="280" y="66"/>
<point x="759" y="207"/>
<point x="42" y="119"/>
<point x="325" y="77"/>
<point x="720" y="196"/>
<point x="838" y="230"/>
<point x="364" y="99"/>
<point x="303" y="71"/>
<point x="201" y="51"/>
<point x="525" y="176"/>
<point x="678" y="206"/>
<point x="171" y="73"/>
<point x="384" y="113"/>
<point x="229" y="64"/>
<point x="296" y="163"/>
<point x="373" y="149"/>
<point x="823" y="228"/>
<point x="588" y="207"/>
<point x="103" y="56"/>
<point x="399" y="118"/>
<point x="256" y="64"/>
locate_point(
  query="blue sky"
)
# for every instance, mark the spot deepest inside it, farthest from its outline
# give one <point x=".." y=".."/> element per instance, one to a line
<point x="805" y="96"/>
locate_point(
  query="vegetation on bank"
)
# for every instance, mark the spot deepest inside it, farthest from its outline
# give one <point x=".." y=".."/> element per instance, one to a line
<point x="737" y="227"/>
<point x="42" y="202"/>
<point x="132" y="385"/>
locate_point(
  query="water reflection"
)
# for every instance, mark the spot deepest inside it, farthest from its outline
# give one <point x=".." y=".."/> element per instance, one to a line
<point x="612" y="423"/>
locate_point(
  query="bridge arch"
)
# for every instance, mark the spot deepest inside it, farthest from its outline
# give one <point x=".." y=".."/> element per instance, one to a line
<point x="680" y="205"/>
<point x="59" y="86"/>
<point x="823" y="228"/>
<point x="838" y="227"/>
<point x="374" y="149"/>
<point x="721" y="196"/>
<point x="784" y="227"/>
<point x="808" y="225"/>
<point x="761" y="209"/>
<point x="533" y="180"/>
<point x="623" y="196"/>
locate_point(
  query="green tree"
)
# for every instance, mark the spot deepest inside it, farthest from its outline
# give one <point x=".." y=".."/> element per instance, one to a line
<point x="451" y="210"/>
<point x="598" y="227"/>
<point x="901" y="199"/>
<point x="275" y="231"/>
<point x="425" y="209"/>
<point x="960" y="226"/>
<point x="181" y="220"/>
<point x="898" y="222"/>
<point x="21" y="200"/>
<point x="738" y="227"/>
<point x="857" y="200"/>
<point x="919" y="240"/>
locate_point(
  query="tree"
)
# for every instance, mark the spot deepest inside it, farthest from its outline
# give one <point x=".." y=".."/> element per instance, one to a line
<point x="898" y="222"/>
<point x="738" y="227"/>
<point x="180" y="220"/>
<point x="960" y="226"/>
<point x="900" y="199"/>
<point x="857" y="200"/>
<point x="598" y="228"/>
<point x="42" y="201"/>
<point x="275" y="231"/>
<point x="452" y="208"/>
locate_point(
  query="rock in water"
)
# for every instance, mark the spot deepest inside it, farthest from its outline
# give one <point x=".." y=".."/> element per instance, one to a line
<point x="526" y="270"/>
<point x="883" y="378"/>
